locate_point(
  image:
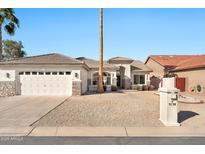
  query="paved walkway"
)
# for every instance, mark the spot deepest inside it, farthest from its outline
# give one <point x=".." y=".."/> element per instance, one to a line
<point x="25" y="110"/>
<point x="104" y="131"/>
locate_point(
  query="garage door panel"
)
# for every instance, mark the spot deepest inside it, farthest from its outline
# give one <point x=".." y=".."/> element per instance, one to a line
<point x="46" y="84"/>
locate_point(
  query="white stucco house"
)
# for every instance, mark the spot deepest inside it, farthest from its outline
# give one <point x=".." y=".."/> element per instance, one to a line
<point x="56" y="74"/>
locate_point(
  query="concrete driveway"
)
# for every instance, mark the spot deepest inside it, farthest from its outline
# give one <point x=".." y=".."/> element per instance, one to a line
<point x="25" y="110"/>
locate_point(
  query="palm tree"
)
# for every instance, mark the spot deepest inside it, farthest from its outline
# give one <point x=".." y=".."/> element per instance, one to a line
<point x="10" y="22"/>
<point x="100" y="72"/>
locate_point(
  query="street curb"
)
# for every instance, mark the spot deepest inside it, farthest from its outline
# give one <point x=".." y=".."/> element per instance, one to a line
<point x="103" y="131"/>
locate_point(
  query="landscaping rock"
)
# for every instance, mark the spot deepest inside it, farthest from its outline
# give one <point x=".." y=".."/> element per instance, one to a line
<point x="7" y="88"/>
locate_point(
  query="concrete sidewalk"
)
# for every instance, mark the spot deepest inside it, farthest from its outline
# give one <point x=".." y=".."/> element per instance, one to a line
<point x="104" y="131"/>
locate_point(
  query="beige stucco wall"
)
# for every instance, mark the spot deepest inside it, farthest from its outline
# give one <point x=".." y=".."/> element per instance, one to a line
<point x="3" y="76"/>
<point x="127" y="72"/>
<point x="126" y="77"/>
<point x="158" y="70"/>
<point x="84" y="79"/>
<point x="193" y="77"/>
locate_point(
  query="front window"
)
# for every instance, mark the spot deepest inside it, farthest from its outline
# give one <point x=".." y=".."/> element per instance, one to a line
<point x="142" y="79"/>
<point x="139" y="79"/>
<point x="106" y="78"/>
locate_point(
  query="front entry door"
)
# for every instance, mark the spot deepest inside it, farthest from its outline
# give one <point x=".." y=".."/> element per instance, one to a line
<point x="118" y="80"/>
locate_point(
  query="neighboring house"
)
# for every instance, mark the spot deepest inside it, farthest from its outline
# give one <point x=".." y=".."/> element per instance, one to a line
<point x="131" y="72"/>
<point x="56" y="74"/>
<point x="190" y="67"/>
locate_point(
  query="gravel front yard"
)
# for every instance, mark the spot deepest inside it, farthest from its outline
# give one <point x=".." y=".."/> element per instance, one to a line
<point x="130" y="109"/>
<point x="192" y="115"/>
<point x="109" y="109"/>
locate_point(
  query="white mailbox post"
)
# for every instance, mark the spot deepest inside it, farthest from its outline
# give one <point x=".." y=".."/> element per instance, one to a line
<point x="168" y="106"/>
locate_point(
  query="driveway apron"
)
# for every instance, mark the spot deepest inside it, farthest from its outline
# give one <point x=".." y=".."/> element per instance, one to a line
<point x="25" y="110"/>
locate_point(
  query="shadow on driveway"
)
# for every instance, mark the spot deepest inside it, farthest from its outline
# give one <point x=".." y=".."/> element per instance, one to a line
<point x="184" y="115"/>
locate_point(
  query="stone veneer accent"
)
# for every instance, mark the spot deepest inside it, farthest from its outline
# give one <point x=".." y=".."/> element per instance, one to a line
<point x="76" y="88"/>
<point x="7" y="88"/>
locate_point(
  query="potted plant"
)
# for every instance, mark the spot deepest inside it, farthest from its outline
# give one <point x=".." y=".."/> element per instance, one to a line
<point x="198" y="88"/>
<point x="113" y="88"/>
<point x="145" y="87"/>
<point x="140" y="87"/>
<point x="151" y="87"/>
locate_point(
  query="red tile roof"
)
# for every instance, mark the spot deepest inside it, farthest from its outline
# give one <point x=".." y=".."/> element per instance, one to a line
<point x="194" y="62"/>
<point x="179" y="62"/>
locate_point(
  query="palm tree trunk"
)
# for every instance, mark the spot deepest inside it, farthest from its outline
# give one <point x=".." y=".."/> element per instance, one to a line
<point x="1" y="48"/>
<point x="100" y="71"/>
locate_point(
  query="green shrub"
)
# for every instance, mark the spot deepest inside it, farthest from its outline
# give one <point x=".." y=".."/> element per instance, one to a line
<point x="198" y="87"/>
<point x="113" y="88"/>
<point x="104" y="87"/>
<point x="140" y="87"/>
<point x="145" y="87"/>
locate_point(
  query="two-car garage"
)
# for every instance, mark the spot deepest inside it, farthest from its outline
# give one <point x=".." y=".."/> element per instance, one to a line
<point x="49" y="74"/>
<point x="46" y="83"/>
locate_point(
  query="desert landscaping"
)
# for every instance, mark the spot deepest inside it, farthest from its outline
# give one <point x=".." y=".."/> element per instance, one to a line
<point x="122" y="108"/>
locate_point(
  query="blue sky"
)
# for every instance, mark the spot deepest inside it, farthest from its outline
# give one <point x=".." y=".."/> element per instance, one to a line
<point x="134" y="33"/>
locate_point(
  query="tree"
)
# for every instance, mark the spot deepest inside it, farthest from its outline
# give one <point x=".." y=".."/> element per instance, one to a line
<point x="100" y="71"/>
<point x="9" y="21"/>
<point x="13" y="49"/>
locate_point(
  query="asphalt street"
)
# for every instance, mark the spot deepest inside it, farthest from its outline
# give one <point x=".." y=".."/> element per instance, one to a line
<point x="28" y="140"/>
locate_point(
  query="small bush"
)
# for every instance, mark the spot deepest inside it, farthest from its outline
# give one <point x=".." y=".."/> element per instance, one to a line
<point x="113" y="88"/>
<point x="145" y="87"/>
<point x="140" y="87"/>
<point x="104" y="87"/>
<point x="134" y="87"/>
<point x="151" y="87"/>
<point x="198" y="87"/>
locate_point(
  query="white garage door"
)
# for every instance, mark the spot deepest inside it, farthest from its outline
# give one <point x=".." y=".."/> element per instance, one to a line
<point x="46" y="83"/>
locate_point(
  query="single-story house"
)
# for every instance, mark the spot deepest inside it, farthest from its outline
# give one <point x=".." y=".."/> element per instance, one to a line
<point x="56" y="74"/>
<point x="190" y="67"/>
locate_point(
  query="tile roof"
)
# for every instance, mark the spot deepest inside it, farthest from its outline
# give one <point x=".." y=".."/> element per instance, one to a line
<point x="58" y="59"/>
<point x="120" y="58"/>
<point x="194" y="62"/>
<point x="141" y="66"/>
<point x="53" y="58"/>
<point x="179" y="62"/>
<point x="170" y="60"/>
<point x="138" y="65"/>
<point x="91" y="63"/>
